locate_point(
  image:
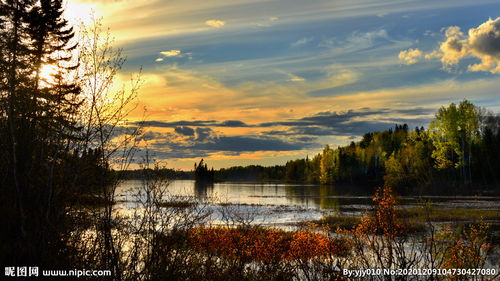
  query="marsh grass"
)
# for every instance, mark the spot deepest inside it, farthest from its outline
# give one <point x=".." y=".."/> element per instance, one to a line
<point x="415" y="217"/>
<point x="442" y="214"/>
<point x="177" y="204"/>
<point x="334" y="222"/>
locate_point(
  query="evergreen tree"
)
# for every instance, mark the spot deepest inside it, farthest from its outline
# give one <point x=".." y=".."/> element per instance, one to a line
<point x="202" y="174"/>
<point x="37" y="130"/>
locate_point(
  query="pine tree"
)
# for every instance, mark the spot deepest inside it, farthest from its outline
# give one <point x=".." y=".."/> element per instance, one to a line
<point x="37" y="129"/>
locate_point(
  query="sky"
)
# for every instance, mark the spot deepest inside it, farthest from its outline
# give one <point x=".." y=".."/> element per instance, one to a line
<point x="241" y="82"/>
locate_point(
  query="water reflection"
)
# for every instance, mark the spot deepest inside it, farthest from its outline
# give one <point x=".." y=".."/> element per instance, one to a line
<point x="203" y="191"/>
<point x="252" y="193"/>
<point x="322" y="197"/>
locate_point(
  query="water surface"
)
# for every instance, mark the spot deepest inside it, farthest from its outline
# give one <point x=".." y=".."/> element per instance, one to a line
<point x="282" y="203"/>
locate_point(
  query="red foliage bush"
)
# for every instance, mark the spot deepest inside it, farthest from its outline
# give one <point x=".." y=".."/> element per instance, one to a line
<point x="256" y="244"/>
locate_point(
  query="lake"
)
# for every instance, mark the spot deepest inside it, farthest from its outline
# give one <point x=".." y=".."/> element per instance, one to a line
<point x="283" y="205"/>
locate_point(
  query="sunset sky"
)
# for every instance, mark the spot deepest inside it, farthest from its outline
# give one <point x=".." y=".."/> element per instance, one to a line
<point x="242" y="82"/>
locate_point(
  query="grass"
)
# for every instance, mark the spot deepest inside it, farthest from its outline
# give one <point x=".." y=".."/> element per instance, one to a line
<point x="441" y="214"/>
<point x="177" y="204"/>
<point x="415" y="217"/>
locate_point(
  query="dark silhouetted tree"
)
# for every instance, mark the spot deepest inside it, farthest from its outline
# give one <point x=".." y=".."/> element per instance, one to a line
<point x="38" y="129"/>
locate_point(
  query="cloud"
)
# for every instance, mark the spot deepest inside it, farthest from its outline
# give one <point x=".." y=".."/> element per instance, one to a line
<point x="410" y="56"/>
<point x="215" y="23"/>
<point x="336" y="76"/>
<point x="366" y="39"/>
<point x="301" y="42"/>
<point x="415" y="111"/>
<point x="196" y="123"/>
<point x="171" y="53"/>
<point x="327" y="118"/>
<point x="327" y="123"/>
<point x="342" y="77"/>
<point x="482" y="42"/>
<point x="206" y="142"/>
<point x="454" y="48"/>
<point x="295" y="78"/>
<point x="185" y="131"/>
<point x="252" y="143"/>
<point x="432" y="55"/>
<point x="351" y="122"/>
<point x="159" y="59"/>
<point x="161" y="124"/>
<point x="233" y="123"/>
<point x="306" y="130"/>
<point x="430" y="33"/>
<point x="356" y="41"/>
<point x="148" y="136"/>
<point x="328" y="43"/>
<point x="267" y="23"/>
<point x="287" y="135"/>
<point x="203" y="134"/>
<point x="292" y="131"/>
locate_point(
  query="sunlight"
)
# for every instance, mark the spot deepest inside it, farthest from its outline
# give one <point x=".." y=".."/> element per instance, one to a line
<point x="77" y="12"/>
<point x="47" y="72"/>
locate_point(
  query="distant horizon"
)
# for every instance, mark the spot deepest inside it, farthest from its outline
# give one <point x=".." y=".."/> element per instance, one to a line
<point x="135" y="166"/>
<point x="262" y="82"/>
